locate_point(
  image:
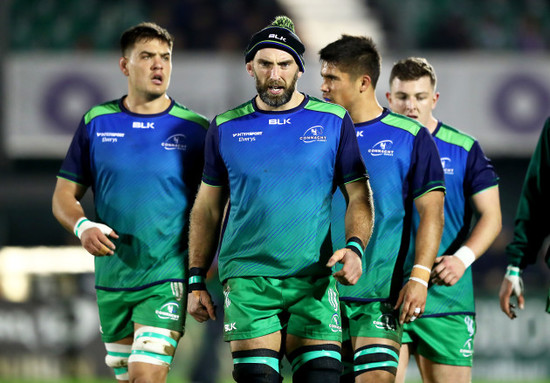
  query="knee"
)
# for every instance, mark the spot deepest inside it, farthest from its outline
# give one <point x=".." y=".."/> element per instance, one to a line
<point x="259" y="366"/>
<point x="317" y="363"/>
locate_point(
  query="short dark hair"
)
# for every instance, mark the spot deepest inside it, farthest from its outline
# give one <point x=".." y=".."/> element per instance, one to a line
<point x="144" y="31"/>
<point x="413" y="68"/>
<point x="356" y="55"/>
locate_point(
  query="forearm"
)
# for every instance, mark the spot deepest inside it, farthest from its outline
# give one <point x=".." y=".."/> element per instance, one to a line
<point x="204" y="233"/>
<point x="430" y="229"/>
<point x="483" y="234"/>
<point x="359" y="219"/>
<point x="66" y="207"/>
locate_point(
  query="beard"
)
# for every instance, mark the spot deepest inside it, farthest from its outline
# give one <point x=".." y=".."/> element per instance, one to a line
<point x="276" y="100"/>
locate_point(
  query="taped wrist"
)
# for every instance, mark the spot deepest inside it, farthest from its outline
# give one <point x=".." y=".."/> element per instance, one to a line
<point x="197" y="277"/>
<point x="466" y="255"/>
<point x="420" y="274"/>
<point x="513" y="274"/>
<point x="356" y="245"/>
<point x="84" y="224"/>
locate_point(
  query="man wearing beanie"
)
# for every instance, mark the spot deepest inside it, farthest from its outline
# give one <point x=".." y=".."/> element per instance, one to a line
<point x="271" y="167"/>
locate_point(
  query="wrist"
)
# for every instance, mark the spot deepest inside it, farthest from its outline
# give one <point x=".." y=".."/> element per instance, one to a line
<point x="420" y="274"/>
<point x="513" y="271"/>
<point x="466" y="255"/>
<point x="81" y="226"/>
<point x="356" y="245"/>
<point x="197" y="278"/>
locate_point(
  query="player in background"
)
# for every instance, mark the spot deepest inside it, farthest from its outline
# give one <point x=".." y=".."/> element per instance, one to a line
<point x="404" y="170"/>
<point x="142" y="157"/>
<point x="531" y="225"/>
<point x="279" y="158"/>
<point x="472" y="188"/>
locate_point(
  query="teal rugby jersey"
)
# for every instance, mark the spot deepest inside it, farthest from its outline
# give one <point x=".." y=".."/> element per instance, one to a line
<point x="144" y="171"/>
<point x="281" y="169"/>
<point x="467" y="172"/>
<point x="403" y="164"/>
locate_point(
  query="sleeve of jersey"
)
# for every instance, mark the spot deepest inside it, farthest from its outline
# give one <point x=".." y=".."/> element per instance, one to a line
<point x="215" y="171"/>
<point x="480" y="173"/>
<point x="76" y="166"/>
<point x="531" y="223"/>
<point x="349" y="163"/>
<point x="427" y="172"/>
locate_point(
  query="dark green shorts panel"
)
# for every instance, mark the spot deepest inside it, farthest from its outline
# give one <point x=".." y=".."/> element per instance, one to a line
<point x="161" y="306"/>
<point x="446" y="340"/>
<point x="306" y="306"/>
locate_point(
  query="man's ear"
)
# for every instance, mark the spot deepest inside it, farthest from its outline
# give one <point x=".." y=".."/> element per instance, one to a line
<point x="123" y="65"/>
<point x="249" y="68"/>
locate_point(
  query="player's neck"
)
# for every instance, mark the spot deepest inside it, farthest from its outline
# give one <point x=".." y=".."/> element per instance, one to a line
<point x="365" y="111"/>
<point x="141" y="105"/>
<point x="432" y="124"/>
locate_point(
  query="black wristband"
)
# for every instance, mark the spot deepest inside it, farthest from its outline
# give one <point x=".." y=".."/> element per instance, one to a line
<point x="356" y="245"/>
<point x="197" y="276"/>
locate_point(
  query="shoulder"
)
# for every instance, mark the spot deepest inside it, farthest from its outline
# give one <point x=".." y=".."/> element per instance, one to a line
<point x="318" y="105"/>
<point x="232" y="114"/>
<point x="454" y="136"/>
<point x="109" y="107"/>
<point x="181" y="111"/>
<point x="402" y="122"/>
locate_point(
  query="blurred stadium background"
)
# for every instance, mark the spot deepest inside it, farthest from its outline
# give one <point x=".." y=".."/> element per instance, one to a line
<point x="60" y="57"/>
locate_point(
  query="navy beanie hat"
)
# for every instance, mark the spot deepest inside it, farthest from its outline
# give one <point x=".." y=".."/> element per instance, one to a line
<point x="280" y="35"/>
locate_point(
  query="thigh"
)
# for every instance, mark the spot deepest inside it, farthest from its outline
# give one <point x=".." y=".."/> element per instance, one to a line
<point x="314" y="309"/>
<point x="252" y="308"/>
<point x="441" y="373"/>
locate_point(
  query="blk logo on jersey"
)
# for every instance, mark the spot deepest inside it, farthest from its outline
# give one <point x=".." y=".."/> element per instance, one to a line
<point x="168" y="311"/>
<point x="446" y="164"/>
<point x="175" y="142"/>
<point x="143" y="125"/>
<point x="279" y="121"/>
<point x="382" y="148"/>
<point x="314" y="134"/>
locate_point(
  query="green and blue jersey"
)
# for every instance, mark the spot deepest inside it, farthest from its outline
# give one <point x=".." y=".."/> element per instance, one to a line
<point x="467" y="172"/>
<point x="281" y="169"/>
<point x="144" y="171"/>
<point x="403" y="164"/>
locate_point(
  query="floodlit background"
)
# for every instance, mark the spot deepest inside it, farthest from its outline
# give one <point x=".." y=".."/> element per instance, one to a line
<point x="60" y="57"/>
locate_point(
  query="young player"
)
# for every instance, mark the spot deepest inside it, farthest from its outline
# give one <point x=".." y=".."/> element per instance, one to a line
<point x="472" y="187"/>
<point x="404" y="169"/>
<point x="141" y="155"/>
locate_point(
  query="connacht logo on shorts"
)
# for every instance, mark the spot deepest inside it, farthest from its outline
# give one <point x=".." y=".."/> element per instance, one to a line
<point x="168" y="311"/>
<point x="385" y="322"/>
<point x="467" y="350"/>
<point x="333" y="299"/>
<point x="226" y="300"/>
<point x="335" y="325"/>
<point x="314" y="134"/>
<point x="175" y="142"/>
<point x="470" y="325"/>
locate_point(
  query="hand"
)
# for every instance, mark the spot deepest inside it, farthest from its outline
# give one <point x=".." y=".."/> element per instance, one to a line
<point x="413" y="297"/>
<point x="353" y="266"/>
<point x="511" y="285"/>
<point x="200" y="306"/>
<point x="447" y="270"/>
<point x="96" y="242"/>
